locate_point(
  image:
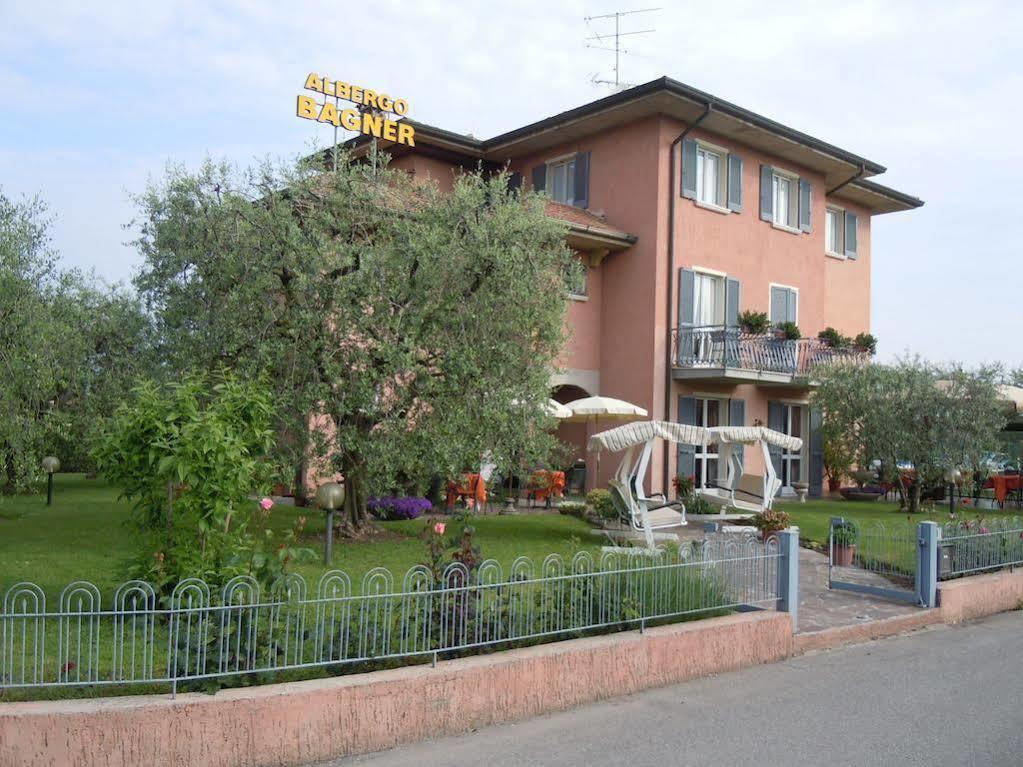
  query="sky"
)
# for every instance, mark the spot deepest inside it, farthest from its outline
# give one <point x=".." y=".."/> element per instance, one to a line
<point x="96" y="99"/>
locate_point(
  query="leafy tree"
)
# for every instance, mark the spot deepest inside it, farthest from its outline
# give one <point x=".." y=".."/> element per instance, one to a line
<point x="910" y="411"/>
<point x="189" y="455"/>
<point x="405" y="331"/>
<point x="70" y="348"/>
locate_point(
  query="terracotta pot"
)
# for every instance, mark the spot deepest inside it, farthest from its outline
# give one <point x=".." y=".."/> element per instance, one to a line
<point x="843" y="555"/>
<point x="765" y="534"/>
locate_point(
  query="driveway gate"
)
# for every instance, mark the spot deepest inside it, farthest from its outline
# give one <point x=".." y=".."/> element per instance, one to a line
<point x="894" y="562"/>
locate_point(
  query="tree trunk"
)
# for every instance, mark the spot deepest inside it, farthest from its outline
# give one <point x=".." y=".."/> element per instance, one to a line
<point x="914" y="498"/>
<point x="8" y="487"/>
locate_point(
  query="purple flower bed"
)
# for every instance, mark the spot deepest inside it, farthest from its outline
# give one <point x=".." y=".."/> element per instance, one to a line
<point x="394" y="508"/>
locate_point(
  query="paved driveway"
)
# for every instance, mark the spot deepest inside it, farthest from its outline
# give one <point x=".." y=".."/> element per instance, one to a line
<point x="948" y="696"/>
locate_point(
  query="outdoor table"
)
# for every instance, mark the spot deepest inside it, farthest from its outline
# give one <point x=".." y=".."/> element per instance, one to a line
<point x="543" y="485"/>
<point x="1003" y="484"/>
<point x="472" y="487"/>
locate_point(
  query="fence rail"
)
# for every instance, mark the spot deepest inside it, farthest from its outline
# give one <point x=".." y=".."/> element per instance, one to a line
<point x="724" y="346"/>
<point x="198" y="633"/>
<point x="880" y="560"/>
<point x="973" y="547"/>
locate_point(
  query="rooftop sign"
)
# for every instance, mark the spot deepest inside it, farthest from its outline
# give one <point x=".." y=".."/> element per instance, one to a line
<point x="370" y="120"/>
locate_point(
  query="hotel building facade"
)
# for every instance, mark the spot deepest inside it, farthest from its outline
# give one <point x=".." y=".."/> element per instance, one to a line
<point x="686" y="211"/>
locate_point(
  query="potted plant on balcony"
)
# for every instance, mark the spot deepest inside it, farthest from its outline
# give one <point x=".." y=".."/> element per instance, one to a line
<point x="843" y="544"/>
<point x="754" y="323"/>
<point x="866" y="342"/>
<point x="834" y="339"/>
<point x="788" y="331"/>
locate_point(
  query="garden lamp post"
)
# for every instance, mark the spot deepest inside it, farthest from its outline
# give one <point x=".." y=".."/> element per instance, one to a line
<point x="330" y="497"/>
<point x="50" y="465"/>
<point x="951" y="477"/>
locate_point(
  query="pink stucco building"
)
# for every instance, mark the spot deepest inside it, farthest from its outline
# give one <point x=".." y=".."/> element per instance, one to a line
<point x="688" y="210"/>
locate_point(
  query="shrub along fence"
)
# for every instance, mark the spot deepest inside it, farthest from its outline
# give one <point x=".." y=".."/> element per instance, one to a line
<point x="196" y="636"/>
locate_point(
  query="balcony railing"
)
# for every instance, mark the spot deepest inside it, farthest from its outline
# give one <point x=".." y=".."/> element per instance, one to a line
<point x="719" y="346"/>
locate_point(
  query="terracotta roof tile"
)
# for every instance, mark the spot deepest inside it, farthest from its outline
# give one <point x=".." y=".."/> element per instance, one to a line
<point x="583" y="218"/>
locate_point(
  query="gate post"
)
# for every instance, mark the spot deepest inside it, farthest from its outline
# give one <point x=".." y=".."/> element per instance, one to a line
<point x="928" y="535"/>
<point x="788" y="573"/>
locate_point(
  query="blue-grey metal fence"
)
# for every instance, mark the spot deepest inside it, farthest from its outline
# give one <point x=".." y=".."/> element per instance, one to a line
<point x="881" y="560"/>
<point x="197" y="633"/>
<point x="969" y="546"/>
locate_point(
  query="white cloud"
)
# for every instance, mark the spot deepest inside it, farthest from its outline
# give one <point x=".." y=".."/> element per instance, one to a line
<point x="926" y="88"/>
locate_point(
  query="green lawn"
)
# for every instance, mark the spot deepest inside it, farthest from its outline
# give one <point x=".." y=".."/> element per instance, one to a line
<point x="85" y="535"/>
<point x="812" y="517"/>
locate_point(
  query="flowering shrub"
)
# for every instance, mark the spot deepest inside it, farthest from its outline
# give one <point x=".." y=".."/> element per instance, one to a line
<point x="771" y="521"/>
<point x="394" y="508"/>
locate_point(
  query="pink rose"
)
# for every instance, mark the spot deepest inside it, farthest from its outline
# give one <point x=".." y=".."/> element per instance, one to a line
<point x="439" y="528"/>
<point x="266" y="504"/>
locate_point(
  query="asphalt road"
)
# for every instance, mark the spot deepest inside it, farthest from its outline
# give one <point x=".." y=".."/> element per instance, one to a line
<point x="944" y="696"/>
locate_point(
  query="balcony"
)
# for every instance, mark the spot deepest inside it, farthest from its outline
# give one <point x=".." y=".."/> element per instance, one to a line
<point x="723" y="353"/>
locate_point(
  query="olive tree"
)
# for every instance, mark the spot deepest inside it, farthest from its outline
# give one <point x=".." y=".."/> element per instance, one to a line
<point x="70" y="348"/>
<point x="405" y="331"/>
<point x="935" y="418"/>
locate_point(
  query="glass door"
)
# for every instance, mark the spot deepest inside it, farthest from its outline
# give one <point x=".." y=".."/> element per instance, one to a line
<point x="792" y="460"/>
<point x="708" y="414"/>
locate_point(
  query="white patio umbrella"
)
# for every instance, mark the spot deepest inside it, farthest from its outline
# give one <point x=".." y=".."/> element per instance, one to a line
<point x="602" y="409"/>
<point x="553" y="408"/>
<point x="556" y="410"/>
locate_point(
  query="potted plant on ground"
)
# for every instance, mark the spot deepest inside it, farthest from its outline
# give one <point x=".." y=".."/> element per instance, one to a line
<point x="770" y="522"/>
<point x="843" y="542"/>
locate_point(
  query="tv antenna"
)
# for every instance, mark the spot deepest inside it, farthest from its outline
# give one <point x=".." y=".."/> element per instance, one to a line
<point x="617" y="36"/>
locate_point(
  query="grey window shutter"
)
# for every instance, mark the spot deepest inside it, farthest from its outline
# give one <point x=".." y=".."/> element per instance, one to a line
<point x="779" y="305"/>
<point x="850" y="234"/>
<point x="686" y="297"/>
<point x="805" y="203"/>
<point x="732" y="291"/>
<point x="737" y="417"/>
<point x="582" y="180"/>
<point x="514" y="182"/>
<point x="816" y="454"/>
<point x="539" y="178"/>
<point x="686" y="453"/>
<point x="686" y="316"/>
<point x="734" y="182"/>
<point x="689" y="169"/>
<point x="767" y="193"/>
<point x="776" y="421"/>
<point x="791" y="305"/>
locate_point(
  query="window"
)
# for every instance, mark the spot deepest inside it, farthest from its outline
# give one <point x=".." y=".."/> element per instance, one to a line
<point x="710" y="180"/>
<point x="708" y="299"/>
<point x="834" y="232"/>
<point x="561" y="180"/>
<point x="576" y="278"/>
<point x="786" y="201"/>
<point x="784" y="305"/>
<point x="711" y="176"/>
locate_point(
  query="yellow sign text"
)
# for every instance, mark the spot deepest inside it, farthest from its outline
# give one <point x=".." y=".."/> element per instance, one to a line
<point x="370" y="123"/>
